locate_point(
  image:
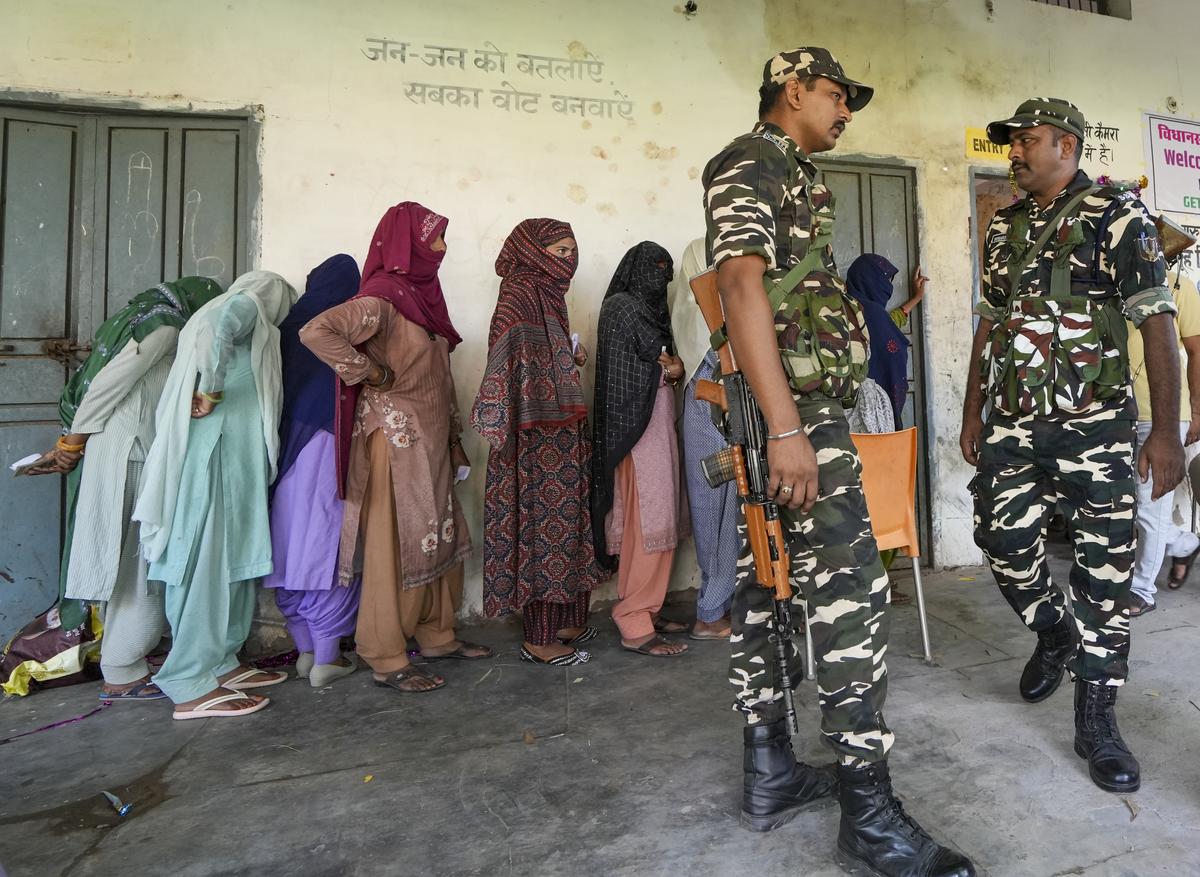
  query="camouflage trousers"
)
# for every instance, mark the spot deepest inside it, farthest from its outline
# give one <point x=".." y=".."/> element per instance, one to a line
<point x="835" y="568"/>
<point x="1085" y="464"/>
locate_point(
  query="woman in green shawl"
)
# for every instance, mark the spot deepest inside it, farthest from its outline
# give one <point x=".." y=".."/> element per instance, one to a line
<point x="108" y="409"/>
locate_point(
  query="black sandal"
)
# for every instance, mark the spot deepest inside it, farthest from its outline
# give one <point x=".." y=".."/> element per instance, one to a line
<point x="668" y="625"/>
<point x="394" y="680"/>
<point x="576" y="656"/>
<point x="1186" y="562"/>
<point x="589" y="633"/>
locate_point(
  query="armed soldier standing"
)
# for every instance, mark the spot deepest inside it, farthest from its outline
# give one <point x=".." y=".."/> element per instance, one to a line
<point x="1063" y="268"/>
<point x="800" y="342"/>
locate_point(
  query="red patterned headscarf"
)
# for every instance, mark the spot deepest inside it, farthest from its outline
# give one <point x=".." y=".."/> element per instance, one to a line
<point x="531" y="379"/>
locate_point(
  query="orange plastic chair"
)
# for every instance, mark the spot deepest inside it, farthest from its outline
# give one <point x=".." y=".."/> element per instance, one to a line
<point x="889" y="479"/>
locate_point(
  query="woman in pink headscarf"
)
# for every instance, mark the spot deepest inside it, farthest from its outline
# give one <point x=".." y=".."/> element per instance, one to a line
<point x="397" y="430"/>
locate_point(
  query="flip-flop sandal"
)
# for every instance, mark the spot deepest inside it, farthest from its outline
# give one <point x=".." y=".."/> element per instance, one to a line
<point x="206" y="711"/>
<point x="645" y="648"/>
<point x="668" y="625"/>
<point x="715" y="635"/>
<point x="576" y="656"/>
<point x="138" y="692"/>
<point x="460" y="654"/>
<point x="241" y="682"/>
<point x="394" y="680"/>
<point x="1176" y="583"/>
<point x="589" y="633"/>
<point x="1139" y="607"/>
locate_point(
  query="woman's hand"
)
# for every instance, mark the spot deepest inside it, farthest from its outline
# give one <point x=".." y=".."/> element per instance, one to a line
<point x="918" y="285"/>
<point x="580" y="355"/>
<point x="458" y="457"/>
<point x="54" y="462"/>
<point x="672" y="366"/>
<point x="202" y="406"/>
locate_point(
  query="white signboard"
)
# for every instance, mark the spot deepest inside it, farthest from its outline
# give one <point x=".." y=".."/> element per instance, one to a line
<point x="1173" y="156"/>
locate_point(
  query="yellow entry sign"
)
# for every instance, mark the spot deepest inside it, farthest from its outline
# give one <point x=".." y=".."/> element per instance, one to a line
<point x="979" y="147"/>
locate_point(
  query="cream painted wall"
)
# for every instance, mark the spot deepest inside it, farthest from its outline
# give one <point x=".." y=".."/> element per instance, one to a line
<point x="341" y="142"/>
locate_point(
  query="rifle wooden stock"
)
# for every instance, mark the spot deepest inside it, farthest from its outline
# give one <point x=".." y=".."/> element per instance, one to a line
<point x="704" y="290"/>
<point x="713" y="393"/>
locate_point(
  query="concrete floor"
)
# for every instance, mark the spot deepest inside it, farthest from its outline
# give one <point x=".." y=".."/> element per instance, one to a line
<point x="634" y="767"/>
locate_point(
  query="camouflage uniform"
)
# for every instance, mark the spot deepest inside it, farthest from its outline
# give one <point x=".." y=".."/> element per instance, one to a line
<point x="1066" y="433"/>
<point x="761" y="199"/>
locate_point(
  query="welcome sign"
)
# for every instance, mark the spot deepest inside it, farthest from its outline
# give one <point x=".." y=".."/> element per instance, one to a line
<point x="1173" y="156"/>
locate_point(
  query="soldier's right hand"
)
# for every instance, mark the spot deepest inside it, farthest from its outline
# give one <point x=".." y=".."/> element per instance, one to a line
<point x="970" y="440"/>
<point x="792" y="463"/>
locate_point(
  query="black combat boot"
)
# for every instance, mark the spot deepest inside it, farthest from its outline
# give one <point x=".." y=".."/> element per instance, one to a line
<point x="878" y="838"/>
<point x="1044" y="671"/>
<point x="775" y="786"/>
<point x="1098" y="739"/>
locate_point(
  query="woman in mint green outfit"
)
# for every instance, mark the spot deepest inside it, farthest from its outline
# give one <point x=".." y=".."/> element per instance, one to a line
<point x="203" y="507"/>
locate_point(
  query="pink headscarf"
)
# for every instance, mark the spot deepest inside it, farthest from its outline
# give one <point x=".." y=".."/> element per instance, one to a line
<point x="401" y="268"/>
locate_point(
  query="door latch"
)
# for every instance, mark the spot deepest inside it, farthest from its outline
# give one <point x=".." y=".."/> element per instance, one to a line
<point x="66" y="351"/>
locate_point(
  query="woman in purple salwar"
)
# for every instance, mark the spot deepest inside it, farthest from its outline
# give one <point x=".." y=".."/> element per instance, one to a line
<point x="306" y="513"/>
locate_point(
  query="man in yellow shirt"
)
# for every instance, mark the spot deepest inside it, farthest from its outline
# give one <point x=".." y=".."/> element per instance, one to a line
<point x="1157" y="532"/>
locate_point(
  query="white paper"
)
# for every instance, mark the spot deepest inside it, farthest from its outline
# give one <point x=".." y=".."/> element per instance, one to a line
<point x="462" y="473"/>
<point x="574" y="343"/>
<point x="24" y="463"/>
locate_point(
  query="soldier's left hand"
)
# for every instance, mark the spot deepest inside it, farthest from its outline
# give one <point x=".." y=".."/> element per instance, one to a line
<point x="1161" y="457"/>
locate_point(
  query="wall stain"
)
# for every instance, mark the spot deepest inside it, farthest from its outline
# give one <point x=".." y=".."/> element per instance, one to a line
<point x="607" y="208"/>
<point x="577" y="51"/>
<point x="656" y="108"/>
<point x="600" y="152"/>
<point x="586" y="125"/>
<point x="693" y="172"/>
<point x="654" y="152"/>
<point x="577" y="193"/>
<point x="613" y="167"/>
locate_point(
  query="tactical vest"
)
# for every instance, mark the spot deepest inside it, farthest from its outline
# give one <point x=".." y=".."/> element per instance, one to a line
<point x="1064" y="351"/>
<point x="820" y="330"/>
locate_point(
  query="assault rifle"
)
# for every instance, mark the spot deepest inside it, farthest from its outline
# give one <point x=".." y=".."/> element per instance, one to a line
<point x="745" y="462"/>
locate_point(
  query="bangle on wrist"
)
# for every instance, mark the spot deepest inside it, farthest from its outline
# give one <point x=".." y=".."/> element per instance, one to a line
<point x="385" y="377"/>
<point x="63" y="445"/>
<point x="788" y="434"/>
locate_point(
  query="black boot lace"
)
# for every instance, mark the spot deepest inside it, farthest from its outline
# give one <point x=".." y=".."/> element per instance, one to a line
<point x="1104" y="719"/>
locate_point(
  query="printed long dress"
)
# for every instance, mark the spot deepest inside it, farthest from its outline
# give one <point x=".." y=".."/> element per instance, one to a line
<point x="419" y="417"/>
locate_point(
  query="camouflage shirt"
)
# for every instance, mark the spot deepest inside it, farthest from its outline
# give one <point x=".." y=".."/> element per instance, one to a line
<point x="1130" y="263"/>
<point x="755" y="203"/>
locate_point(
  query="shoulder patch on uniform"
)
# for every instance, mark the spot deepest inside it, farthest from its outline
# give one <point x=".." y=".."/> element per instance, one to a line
<point x="772" y="138"/>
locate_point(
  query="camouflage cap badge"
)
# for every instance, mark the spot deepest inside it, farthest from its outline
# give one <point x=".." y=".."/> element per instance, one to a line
<point x="1039" y="111"/>
<point x="816" y="61"/>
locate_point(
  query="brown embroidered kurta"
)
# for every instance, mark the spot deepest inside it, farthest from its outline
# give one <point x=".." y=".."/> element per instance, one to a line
<point x="419" y="416"/>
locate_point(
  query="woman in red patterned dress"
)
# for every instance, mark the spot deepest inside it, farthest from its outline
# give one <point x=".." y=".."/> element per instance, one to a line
<point x="537" y="542"/>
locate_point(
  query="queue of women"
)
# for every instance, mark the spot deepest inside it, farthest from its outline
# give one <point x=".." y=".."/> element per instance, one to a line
<point x="313" y="443"/>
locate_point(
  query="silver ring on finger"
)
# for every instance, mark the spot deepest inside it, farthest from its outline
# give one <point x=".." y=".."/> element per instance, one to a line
<point x="786" y="490"/>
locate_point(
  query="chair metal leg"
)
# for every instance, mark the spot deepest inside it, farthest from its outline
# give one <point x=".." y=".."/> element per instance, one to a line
<point x="810" y="670"/>
<point x="916" y="562"/>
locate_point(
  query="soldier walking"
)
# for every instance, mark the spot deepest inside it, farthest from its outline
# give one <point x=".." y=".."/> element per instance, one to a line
<point x="1063" y="268"/>
<point x="800" y="342"/>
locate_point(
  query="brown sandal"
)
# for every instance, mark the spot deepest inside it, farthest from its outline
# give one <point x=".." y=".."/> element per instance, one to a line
<point x="646" y="647"/>
<point x="1186" y="562"/>
<point x="396" y="680"/>
<point x="460" y="654"/>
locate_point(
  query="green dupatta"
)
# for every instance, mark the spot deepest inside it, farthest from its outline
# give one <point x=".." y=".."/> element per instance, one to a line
<point x="168" y="304"/>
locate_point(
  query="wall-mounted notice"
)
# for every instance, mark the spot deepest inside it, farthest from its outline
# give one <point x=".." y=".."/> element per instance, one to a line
<point x="1173" y="157"/>
<point x="982" y="149"/>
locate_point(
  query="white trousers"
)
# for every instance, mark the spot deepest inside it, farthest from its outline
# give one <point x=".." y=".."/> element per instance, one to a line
<point x="1158" y="534"/>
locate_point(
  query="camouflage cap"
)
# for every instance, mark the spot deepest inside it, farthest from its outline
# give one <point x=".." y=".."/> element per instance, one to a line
<point x="1039" y="111"/>
<point x="816" y="61"/>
